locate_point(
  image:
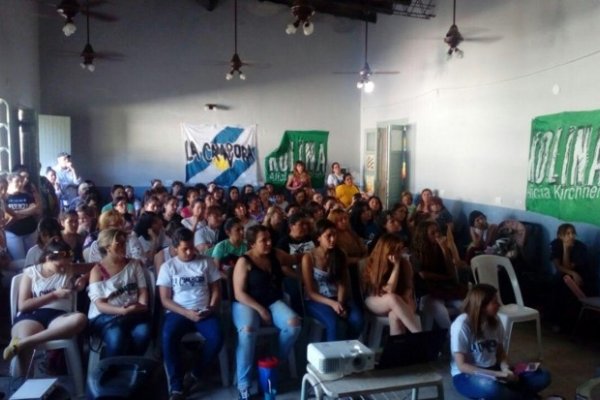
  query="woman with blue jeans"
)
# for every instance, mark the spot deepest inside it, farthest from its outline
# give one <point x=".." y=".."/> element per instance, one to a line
<point x="326" y="286"/>
<point x="190" y="290"/>
<point x="257" y="278"/>
<point x="480" y="369"/>
<point x="118" y="298"/>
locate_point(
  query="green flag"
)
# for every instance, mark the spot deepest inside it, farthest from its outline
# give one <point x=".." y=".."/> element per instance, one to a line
<point x="564" y="166"/>
<point x="307" y="146"/>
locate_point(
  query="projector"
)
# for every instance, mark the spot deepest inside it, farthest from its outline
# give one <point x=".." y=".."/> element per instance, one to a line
<point x="336" y="359"/>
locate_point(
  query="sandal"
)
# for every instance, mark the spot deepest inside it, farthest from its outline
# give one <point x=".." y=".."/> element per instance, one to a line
<point x="12" y="349"/>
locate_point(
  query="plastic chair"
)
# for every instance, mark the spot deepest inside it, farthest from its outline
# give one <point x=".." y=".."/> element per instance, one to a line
<point x="69" y="346"/>
<point x="96" y="343"/>
<point x="485" y="270"/>
<point x="587" y="303"/>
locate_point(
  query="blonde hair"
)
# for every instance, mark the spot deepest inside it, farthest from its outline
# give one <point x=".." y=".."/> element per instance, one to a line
<point x="110" y="219"/>
<point x="107" y="237"/>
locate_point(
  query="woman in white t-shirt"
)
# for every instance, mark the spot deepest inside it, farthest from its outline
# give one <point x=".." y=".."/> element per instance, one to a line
<point x="45" y="303"/>
<point x="479" y="367"/>
<point x="118" y="298"/>
<point x="190" y="292"/>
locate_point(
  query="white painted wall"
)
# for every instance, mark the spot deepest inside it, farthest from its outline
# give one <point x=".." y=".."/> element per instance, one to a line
<point x="472" y="116"/>
<point x="126" y="115"/>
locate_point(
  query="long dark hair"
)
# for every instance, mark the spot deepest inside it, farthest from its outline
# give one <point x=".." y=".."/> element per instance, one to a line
<point x="55" y="249"/>
<point x="337" y="258"/>
<point x="474" y="306"/>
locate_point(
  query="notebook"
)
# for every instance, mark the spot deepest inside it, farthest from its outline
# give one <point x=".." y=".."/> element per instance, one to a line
<point x="412" y="348"/>
<point x="35" y="389"/>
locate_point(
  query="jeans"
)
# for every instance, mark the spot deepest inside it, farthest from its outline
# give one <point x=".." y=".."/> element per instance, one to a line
<point x="175" y="327"/>
<point x="127" y="335"/>
<point x="323" y="313"/>
<point x="247" y="323"/>
<point x="481" y="387"/>
<point x="18" y="245"/>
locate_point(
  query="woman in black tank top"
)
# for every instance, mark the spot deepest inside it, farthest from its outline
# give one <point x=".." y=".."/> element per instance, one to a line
<point x="258" y="301"/>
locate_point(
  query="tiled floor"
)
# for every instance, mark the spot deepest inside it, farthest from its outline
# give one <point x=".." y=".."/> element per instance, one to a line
<point x="570" y="362"/>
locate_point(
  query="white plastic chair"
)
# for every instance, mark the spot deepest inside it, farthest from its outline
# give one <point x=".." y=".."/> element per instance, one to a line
<point x="96" y="343"/>
<point x="485" y="270"/>
<point x="69" y="346"/>
<point x="587" y="303"/>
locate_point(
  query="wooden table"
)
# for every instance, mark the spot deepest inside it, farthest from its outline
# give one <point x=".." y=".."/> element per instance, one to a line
<point x="374" y="381"/>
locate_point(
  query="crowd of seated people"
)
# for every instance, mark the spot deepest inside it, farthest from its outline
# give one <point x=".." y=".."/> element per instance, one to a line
<point x="336" y="253"/>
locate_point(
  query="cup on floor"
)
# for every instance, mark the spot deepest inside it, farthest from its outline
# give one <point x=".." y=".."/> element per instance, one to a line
<point x="267" y="376"/>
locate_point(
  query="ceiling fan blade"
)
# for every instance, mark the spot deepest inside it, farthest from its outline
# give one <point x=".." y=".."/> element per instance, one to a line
<point x="376" y="72"/>
<point x="101" y="16"/>
<point x="109" y="55"/>
<point x="256" y="64"/>
<point x="483" y="39"/>
<point x="345" y="72"/>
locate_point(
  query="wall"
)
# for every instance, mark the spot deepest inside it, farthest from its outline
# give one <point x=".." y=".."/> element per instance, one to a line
<point x="471" y="118"/>
<point x="126" y="115"/>
<point x="19" y="61"/>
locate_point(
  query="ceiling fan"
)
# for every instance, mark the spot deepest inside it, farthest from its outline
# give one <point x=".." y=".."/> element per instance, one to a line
<point x="68" y="9"/>
<point x="453" y="37"/>
<point x="88" y="54"/>
<point x="364" y="75"/>
<point x="236" y="62"/>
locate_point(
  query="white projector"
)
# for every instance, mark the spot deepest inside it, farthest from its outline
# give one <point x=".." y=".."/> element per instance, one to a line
<point x="336" y="359"/>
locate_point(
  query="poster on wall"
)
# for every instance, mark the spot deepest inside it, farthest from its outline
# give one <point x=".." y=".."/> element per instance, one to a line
<point x="564" y="166"/>
<point x="224" y="154"/>
<point x="307" y="146"/>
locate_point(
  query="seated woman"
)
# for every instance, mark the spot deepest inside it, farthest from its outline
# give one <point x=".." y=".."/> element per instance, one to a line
<point x="440" y="214"/>
<point x="45" y="303"/>
<point x="388" y="285"/>
<point x="112" y="219"/>
<point x="227" y="252"/>
<point x="439" y="287"/>
<point x="389" y="223"/>
<point x="275" y="220"/>
<point x="421" y="211"/>
<point x="149" y="231"/>
<point x="479" y="368"/>
<point x="336" y="177"/>
<point x="69" y="221"/>
<point x="362" y="222"/>
<point x="570" y="257"/>
<point x="327" y="286"/>
<point x="482" y="234"/>
<point x="298" y="179"/>
<point x="190" y="292"/>
<point x="257" y="281"/>
<point x="345" y="192"/>
<point x="118" y="298"/>
<point x="47" y="229"/>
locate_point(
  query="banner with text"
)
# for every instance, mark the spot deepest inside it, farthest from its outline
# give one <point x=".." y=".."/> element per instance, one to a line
<point x="564" y="166"/>
<point x="222" y="154"/>
<point x="307" y="146"/>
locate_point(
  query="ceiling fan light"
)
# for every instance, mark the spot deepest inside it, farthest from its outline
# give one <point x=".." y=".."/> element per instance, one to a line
<point x="359" y="84"/>
<point x="242" y="76"/>
<point x="229" y="76"/>
<point x="69" y="28"/>
<point x="369" y="87"/>
<point x="291" y="28"/>
<point x="91" y="67"/>
<point x="82" y="65"/>
<point x="459" y="53"/>
<point x="308" y="28"/>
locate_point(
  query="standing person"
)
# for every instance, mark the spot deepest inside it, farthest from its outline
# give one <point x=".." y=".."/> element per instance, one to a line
<point x="479" y="367"/>
<point x="65" y="171"/>
<point x="21" y="227"/>
<point x="190" y="291"/>
<point x="45" y="304"/>
<point x="336" y="177"/>
<point x="388" y="285"/>
<point x="327" y="286"/>
<point x="257" y="278"/>
<point x="345" y="192"/>
<point x="118" y="298"/>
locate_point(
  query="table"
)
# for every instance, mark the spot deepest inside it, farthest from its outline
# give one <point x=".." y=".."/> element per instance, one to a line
<point x="374" y="381"/>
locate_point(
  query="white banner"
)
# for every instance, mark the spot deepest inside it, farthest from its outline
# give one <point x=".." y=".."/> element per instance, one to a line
<point x="224" y="154"/>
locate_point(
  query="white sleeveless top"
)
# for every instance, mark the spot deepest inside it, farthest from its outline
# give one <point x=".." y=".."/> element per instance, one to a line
<point x="41" y="285"/>
<point x="322" y="279"/>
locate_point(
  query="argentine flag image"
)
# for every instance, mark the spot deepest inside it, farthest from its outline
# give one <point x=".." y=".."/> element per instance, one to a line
<point x="224" y="154"/>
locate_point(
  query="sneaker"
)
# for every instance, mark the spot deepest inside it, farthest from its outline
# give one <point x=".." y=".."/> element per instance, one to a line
<point x="244" y="394"/>
<point x="176" y="396"/>
<point x="190" y="383"/>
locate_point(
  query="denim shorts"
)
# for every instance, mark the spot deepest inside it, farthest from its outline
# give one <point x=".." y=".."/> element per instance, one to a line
<point x="42" y="315"/>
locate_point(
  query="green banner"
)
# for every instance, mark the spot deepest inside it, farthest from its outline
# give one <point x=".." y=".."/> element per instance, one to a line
<point x="307" y="146"/>
<point x="564" y="166"/>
